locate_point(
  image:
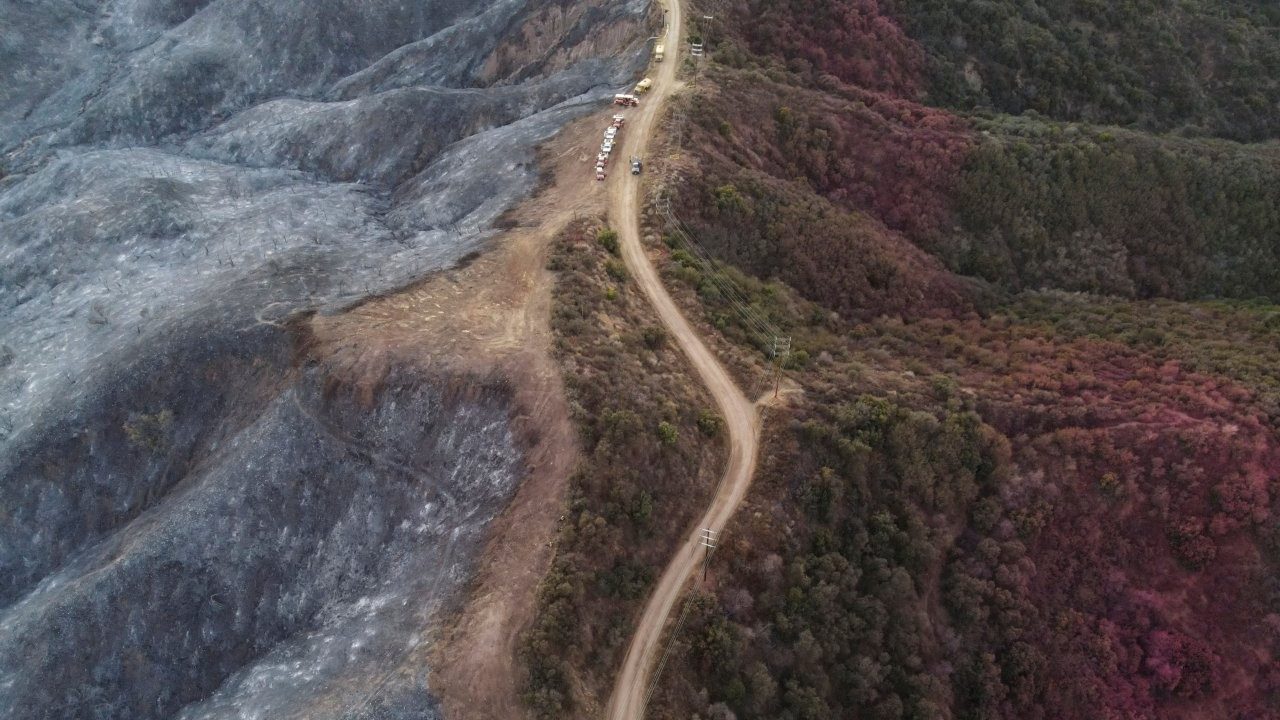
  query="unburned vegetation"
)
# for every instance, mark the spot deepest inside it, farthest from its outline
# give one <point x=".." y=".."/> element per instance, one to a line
<point x="1032" y="472"/>
<point x="988" y="517"/>
<point x="1104" y="210"/>
<point x="652" y="450"/>
<point x="990" y="502"/>
<point x="1196" y="66"/>
<point x="869" y="204"/>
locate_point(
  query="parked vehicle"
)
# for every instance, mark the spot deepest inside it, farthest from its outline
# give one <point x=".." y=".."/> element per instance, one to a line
<point x="619" y="121"/>
<point x="643" y="86"/>
<point x="657" y="52"/>
<point x="626" y="100"/>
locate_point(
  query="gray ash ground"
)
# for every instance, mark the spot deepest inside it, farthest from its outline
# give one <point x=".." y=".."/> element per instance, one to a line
<point x="192" y="525"/>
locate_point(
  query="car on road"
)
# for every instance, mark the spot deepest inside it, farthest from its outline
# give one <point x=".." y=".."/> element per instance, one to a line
<point x="636" y="165"/>
<point x="607" y="147"/>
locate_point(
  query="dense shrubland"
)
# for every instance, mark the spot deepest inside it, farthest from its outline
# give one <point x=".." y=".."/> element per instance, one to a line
<point x="1023" y="202"/>
<point x="852" y="40"/>
<point x="893" y="159"/>
<point x="993" y="501"/>
<point x="1199" y="66"/>
<point x="1019" y="202"/>
<point x="818" y="614"/>
<point x="840" y="258"/>
<point x="650" y="453"/>
<point x="1230" y="339"/>
<point x="1117" y="212"/>
<point x="990" y="502"/>
<point x="1051" y="512"/>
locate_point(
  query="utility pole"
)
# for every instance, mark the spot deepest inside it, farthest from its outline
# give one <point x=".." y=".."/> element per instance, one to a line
<point x="709" y="539"/>
<point x="781" y="348"/>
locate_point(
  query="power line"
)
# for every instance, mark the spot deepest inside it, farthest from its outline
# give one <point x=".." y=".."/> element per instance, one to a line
<point x="710" y="538"/>
<point x="722" y="281"/>
<point x="708" y="262"/>
<point x="662" y="663"/>
<point x="736" y="296"/>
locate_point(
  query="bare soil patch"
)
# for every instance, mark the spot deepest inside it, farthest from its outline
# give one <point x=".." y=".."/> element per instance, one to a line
<point x="489" y="317"/>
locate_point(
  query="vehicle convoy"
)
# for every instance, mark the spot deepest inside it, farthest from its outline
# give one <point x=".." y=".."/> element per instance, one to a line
<point x="606" y="147"/>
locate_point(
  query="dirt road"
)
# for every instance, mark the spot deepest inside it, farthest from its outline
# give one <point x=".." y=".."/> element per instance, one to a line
<point x="741" y="420"/>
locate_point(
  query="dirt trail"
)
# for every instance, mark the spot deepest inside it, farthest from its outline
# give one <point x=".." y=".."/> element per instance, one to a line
<point x="490" y="318"/>
<point x="741" y="420"/>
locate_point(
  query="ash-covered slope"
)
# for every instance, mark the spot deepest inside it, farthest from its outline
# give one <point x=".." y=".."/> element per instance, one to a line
<point x="289" y="572"/>
<point x="187" y="518"/>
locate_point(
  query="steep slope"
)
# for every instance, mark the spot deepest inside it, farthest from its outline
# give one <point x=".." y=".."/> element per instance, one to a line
<point x="630" y="692"/>
<point x="996" y="498"/>
<point x="207" y="512"/>
<point x="1201" y="67"/>
<point x="1025" y="203"/>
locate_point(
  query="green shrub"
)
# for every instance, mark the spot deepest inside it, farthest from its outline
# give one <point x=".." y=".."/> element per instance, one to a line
<point x="667" y="433"/>
<point x="654" y="336"/>
<point x="688" y="275"/>
<point x="728" y="199"/>
<point x="942" y="386"/>
<point x="608" y="239"/>
<point x="616" y="269"/>
<point x="797" y="360"/>
<point x="710" y="422"/>
<point x="683" y="258"/>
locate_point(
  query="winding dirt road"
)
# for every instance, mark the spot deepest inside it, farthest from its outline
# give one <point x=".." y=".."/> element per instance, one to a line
<point x="741" y="420"/>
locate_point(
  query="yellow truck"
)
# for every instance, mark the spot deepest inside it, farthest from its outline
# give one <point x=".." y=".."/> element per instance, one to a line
<point x="643" y="86"/>
<point x="657" y="52"/>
